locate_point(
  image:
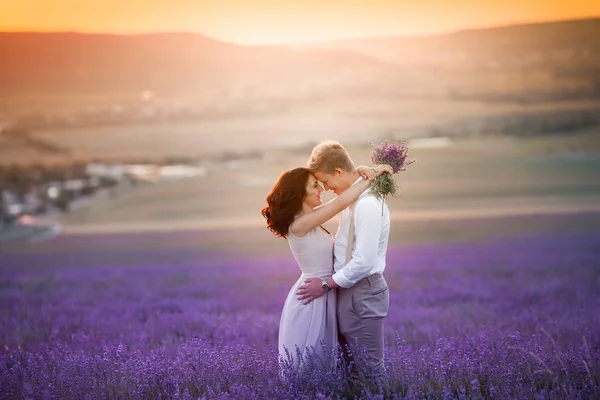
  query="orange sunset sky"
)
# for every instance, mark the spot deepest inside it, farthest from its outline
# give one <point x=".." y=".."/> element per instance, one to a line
<point x="283" y="21"/>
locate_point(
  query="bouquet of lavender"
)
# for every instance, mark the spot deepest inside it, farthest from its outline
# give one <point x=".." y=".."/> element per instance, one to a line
<point x="395" y="155"/>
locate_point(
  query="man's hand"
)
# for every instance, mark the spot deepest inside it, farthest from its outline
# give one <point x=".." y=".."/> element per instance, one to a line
<point x="310" y="290"/>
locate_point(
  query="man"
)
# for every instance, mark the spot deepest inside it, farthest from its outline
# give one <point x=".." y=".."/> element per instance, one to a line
<point x="359" y="257"/>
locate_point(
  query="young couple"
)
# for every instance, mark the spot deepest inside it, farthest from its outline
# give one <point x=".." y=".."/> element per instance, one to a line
<point x="341" y="296"/>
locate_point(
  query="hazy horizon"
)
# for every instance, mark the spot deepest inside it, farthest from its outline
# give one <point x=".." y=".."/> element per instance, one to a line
<point x="304" y="42"/>
<point x="261" y="22"/>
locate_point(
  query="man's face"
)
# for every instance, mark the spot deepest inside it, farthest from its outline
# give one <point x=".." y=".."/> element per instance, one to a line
<point x="334" y="182"/>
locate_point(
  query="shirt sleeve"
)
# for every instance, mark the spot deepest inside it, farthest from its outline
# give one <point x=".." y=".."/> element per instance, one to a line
<point x="368" y="223"/>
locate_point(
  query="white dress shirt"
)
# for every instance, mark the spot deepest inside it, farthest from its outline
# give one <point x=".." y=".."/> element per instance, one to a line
<point x="371" y="235"/>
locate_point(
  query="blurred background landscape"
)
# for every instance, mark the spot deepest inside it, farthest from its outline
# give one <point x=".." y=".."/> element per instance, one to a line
<point x="504" y="121"/>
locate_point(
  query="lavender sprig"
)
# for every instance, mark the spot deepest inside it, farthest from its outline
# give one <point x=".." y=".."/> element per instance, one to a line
<point x="394" y="154"/>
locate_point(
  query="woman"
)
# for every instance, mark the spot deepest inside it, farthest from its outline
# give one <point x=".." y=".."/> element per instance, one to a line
<point x="295" y="212"/>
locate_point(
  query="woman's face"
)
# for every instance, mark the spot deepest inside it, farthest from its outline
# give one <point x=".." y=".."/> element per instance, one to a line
<point x="313" y="192"/>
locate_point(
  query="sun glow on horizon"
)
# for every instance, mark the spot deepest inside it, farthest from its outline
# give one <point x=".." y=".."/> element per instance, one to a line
<point x="278" y="22"/>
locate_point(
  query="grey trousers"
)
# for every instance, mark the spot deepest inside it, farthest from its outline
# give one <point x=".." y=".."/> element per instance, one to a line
<point x="360" y="312"/>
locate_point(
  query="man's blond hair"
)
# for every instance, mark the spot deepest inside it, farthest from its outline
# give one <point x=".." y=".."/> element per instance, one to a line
<point x="329" y="155"/>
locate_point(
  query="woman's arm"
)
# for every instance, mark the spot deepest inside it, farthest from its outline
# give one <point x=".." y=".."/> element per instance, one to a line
<point x="368" y="173"/>
<point x="325" y="212"/>
<point x="302" y="225"/>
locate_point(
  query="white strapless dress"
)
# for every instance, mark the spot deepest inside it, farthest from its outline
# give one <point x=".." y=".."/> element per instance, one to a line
<point x="312" y="326"/>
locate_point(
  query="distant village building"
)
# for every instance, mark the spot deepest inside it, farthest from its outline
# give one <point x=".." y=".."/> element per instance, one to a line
<point x="113" y="172"/>
<point x="11" y="207"/>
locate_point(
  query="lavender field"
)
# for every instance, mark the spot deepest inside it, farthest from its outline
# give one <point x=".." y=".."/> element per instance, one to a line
<point x="512" y="317"/>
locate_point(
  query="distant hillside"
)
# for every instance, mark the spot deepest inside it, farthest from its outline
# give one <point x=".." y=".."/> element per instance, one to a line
<point x="172" y="62"/>
<point x="503" y="45"/>
<point x="555" y="61"/>
<point x="176" y="62"/>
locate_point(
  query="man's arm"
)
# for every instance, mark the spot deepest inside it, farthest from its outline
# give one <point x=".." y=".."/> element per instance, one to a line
<point x="368" y="223"/>
<point x="312" y="288"/>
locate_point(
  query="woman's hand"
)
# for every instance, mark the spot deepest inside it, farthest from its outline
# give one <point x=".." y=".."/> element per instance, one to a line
<point x="384" y="169"/>
<point x="367" y="173"/>
<point x="370" y="173"/>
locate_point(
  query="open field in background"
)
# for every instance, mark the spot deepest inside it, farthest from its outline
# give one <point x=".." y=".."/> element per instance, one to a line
<point x="346" y="119"/>
<point x="475" y="189"/>
<point x="470" y="179"/>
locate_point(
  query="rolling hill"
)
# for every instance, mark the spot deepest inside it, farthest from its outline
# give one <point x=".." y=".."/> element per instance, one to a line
<point x="180" y="62"/>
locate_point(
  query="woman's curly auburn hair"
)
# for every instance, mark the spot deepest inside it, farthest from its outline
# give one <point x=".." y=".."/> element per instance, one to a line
<point x="285" y="200"/>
